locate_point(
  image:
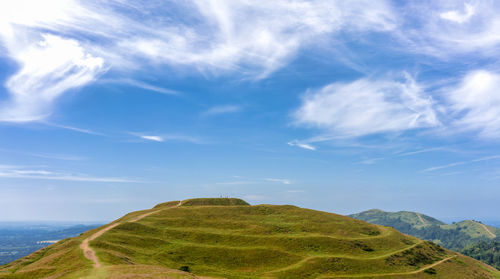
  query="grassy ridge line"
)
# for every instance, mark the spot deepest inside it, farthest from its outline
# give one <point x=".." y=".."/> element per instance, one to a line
<point x="488" y="230"/>
<point x="390" y="274"/>
<point x="303" y="261"/>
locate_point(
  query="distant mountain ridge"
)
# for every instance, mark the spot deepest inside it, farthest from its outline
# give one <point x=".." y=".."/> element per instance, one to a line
<point x="412" y="218"/>
<point x="228" y="238"/>
<point x="464" y="236"/>
<point x="452" y="236"/>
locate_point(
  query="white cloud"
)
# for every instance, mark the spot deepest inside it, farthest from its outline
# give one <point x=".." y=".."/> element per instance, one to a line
<point x="447" y="28"/>
<point x="63" y="44"/>
<point x="48" y="68"/>
<point x="222" y="109"/>
<point x="475" y="103"/>
<point x="366" y="107"/>
<point x="301" y="145"/>
<point x="459" y="16"/>
<point x="170" y="137"/>
<point x="152" y="138"/>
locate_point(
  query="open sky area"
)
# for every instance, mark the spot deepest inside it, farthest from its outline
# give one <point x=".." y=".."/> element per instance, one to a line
<point x="112" y="106"/>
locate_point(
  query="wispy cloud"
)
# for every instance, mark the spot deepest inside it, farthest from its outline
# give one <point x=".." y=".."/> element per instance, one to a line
<point x="169" y="137"/>
<point x="279" y="180"/>
<point x="141" y="84"/>
<point x="487" y="158"/>
<point x="62" y="45"/>
<point x="27" y="173"/>
<point x="152" y="138"/>
<point x="72" y="128"/>
<point x="64" y="157"/>
<point x="222" y="109"/>
<point x="444" y="166"/>
<point x="50" y="66"/>
<point x="425" y="150"/>
<point x="301" y="145"/>
<point x="363" y="107"/>
<point x="475" y="103"/>
<point x="482" y="159"/>
<point x="459" y="16"/>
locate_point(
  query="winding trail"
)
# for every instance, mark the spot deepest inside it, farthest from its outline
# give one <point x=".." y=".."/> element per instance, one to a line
<point x="90" y="254"/>
<point x="487" y="230"/>
<point x="392" y="274"/>
<point x="421" y="219"/>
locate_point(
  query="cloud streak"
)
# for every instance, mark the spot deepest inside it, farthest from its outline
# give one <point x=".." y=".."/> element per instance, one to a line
<point x="27" y="173"/>
<point x="152" y="138"/>
<point x="301" y="145"/>
<point x="444" y="166"/>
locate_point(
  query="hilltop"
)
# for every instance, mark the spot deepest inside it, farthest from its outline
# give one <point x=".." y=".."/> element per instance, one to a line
<point x="228" y="238"/>
<point x="414" y="219"/>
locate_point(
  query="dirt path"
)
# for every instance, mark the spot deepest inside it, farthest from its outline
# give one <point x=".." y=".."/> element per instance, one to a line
<point x="90" y="254"/>
<point x="392" y="274"/>
<point x="487" y="230"/>
<point x="303" y="261"/>
<point x="421" y="219"/>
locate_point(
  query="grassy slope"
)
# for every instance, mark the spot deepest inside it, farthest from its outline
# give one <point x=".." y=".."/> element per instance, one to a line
<point x="376" y="216"/>
<point x="472" y="228"/>
<point x="263" y="241"/>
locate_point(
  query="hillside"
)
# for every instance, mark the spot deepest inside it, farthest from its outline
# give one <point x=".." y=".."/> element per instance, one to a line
<point x="227" y="238"/>
<point x="414" y="219"/>
<point x="488" y="252"/>
<point x="455" y="236"/>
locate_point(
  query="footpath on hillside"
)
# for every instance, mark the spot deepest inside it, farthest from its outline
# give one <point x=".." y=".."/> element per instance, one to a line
<point x="488" y="230"/>
<point x="90" y="254"/>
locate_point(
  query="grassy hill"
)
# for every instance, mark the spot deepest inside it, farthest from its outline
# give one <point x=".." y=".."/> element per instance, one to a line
<point x="468" y="237"/>
<point x="454" y="236"/>
<point x="414" y="219"/>
<point x="227" y="238"/>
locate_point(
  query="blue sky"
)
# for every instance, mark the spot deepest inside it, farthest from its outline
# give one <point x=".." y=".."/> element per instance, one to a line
<point x="112" y="106"/>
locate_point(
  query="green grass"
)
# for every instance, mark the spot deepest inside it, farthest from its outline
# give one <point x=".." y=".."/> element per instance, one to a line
<point x="214" y="201"/>
<point x="229" y="238"/>
<point x="377" y="216"/>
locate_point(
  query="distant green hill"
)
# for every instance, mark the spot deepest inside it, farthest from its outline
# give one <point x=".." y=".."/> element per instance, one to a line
<point x="227" y="238"/>
<point x="456" y="236"/>
<point x="413" y="219"/>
